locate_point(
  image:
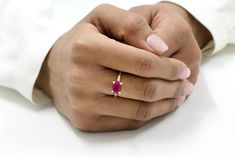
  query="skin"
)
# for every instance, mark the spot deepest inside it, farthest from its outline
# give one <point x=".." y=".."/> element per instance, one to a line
<point x="183" y="34"/>
<point x="78" y="72"/>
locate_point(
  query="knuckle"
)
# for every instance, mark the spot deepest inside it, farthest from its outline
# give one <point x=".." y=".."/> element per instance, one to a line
<point x="185" y="32"/>
<point x="71" y="79"/>
<point x="133" y="23"/>
<point x="179" y="91"/>
<point x="80" y="45"/>
<point x="75" y="105"/>
<point x="174" y="71"/>
<point x="75" y="83"/>
<point x="79" y="49"/>
<point x="76" y="120"/>
<point x="166" y="109"/>
<point x="78" y="100"/>
<point x="76" y="77"/>
<point x="86" y="127"/>
<point x="143" y="65"/>
<point x="102" y="6"/>
<point x="82" y="123"/>
<point x="144" y="111"/>
<point x="149" y="91"/>
<point x="135" y="124"/>
<point x="172" y="105"/>
<point x="186" y="29"/>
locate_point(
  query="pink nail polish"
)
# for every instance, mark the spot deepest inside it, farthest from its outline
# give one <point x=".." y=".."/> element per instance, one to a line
<point x="188" y="88"/>
<point x="185" y="73"/>
<point x="157" y="43"/>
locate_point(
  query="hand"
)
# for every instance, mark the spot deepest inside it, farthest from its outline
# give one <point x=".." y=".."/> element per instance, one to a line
<point x="82" y="64"/>
<point x="183" y="34"/>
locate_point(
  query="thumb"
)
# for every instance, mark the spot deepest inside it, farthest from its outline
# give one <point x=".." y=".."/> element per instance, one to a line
<point x="126" y="26"/>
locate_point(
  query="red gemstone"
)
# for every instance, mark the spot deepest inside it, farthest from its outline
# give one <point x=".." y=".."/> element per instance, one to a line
<point x="117" y="87"/>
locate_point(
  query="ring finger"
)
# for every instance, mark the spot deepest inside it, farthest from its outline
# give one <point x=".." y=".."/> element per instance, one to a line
<point x="144" y="89"/>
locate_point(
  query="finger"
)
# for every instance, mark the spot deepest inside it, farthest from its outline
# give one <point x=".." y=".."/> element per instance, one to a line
<point x="179" y="38"/>
<point x="109" y="123"/>
<point x="125" y="58"/>
<point x="139" y="88"/>
<point x="90" y="120"/>
<point x="147" y="11"/>
<point x="170" y="34"/>
<point x="182" y="46"/>
<point x="126" y="26"/>
<point x="191" y="53"/>
<point x="135" y="110"/>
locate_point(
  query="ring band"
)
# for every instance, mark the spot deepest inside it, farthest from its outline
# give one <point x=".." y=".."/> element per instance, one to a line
<point x="117" y="85"/>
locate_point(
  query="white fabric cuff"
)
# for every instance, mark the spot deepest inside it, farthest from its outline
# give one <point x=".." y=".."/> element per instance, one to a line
<point x="31" y="65"/>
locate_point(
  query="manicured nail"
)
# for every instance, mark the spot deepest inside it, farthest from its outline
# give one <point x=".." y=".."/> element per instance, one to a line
<point x="181" y="100"/>
<point x="186" y="72"/>
<point x="188" y="88"/>
<point x="157" y="43"/>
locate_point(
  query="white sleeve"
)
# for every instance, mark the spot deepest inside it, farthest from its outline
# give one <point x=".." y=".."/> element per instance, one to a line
<point x="218" y="16"/>
<point x="26" y="36"/>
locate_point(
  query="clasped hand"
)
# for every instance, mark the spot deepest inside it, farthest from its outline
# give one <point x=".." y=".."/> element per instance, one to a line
<point x="153" y="46"/>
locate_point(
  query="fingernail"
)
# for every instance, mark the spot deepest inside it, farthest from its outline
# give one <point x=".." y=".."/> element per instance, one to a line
<point x="181" y="100"/>
<point x="188" y="88"/>
<point x="186" y="72"/>
<point x="157" y="43"/>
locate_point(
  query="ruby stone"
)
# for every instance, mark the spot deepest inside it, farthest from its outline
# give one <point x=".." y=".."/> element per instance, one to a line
<point x="117" y="87"/>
